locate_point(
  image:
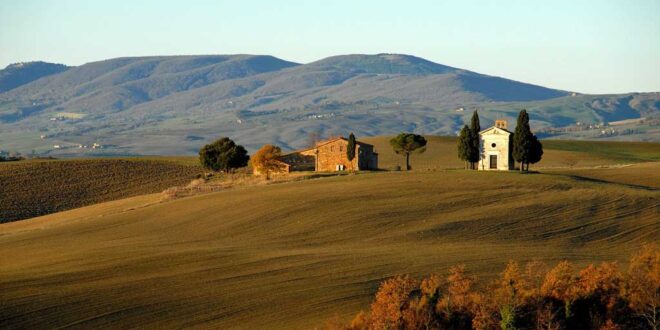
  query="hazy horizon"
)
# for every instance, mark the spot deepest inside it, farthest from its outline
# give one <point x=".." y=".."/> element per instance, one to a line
<point x="583" y="46"/>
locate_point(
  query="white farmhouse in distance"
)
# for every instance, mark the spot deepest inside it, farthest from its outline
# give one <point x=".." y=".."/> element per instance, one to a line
<point x="495" y="148"/>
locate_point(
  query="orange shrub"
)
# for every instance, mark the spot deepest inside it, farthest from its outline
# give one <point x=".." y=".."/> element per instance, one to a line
<point x="391" y="299"/>
<point x="596" y="297"/>
<point x="643" y="285"/>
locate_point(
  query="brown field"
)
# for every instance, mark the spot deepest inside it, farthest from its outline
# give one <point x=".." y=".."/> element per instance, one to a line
<point x="291" y="255"/>
<point x="34" y="188"/>
<point x="643" y="175"/>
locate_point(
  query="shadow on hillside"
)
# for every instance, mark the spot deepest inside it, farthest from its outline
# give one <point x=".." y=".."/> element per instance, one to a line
<point x="600" y="181"/>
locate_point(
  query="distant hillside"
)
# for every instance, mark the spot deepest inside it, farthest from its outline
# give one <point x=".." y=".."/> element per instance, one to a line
<point x="18" y="74"/>
<point x="174" y="104"/>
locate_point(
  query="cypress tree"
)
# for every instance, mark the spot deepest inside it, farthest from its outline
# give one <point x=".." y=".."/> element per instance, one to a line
<point x="464" y="145"/>
<point x="522" y="140"/>
<point x="474" y="123"/>
<point x="536" y="151"/>
<point x="350" y="149"/>
<point x="475" y="128"/>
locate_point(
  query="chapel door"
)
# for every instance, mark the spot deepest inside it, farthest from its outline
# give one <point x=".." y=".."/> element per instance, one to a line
<point x="493" y="161"/>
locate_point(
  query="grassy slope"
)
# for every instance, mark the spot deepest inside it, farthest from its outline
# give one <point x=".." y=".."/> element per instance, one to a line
<point x="638" y="175"/>
<point x="291" y="255"/>
<point x="441" y="153"/>
<point x="38" y="188"/>
<point x="33" y="188"/>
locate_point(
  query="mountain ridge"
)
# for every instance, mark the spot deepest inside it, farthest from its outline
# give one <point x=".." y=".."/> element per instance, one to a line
<point x="18" y="74"/>
<point x="133" y="103"/>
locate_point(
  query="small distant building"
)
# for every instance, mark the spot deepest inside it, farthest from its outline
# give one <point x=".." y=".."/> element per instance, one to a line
<point x="495" y="148"/>
<point x="330" y="156"/>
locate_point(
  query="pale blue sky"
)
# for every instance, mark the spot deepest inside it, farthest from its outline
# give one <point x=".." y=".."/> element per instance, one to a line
<point x="585" y="46"/>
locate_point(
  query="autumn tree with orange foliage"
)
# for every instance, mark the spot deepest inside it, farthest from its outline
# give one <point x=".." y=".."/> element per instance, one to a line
<point x="265" y="160"/>
<point x="596" y="297"/>
<point x="457" y="305"/>
<point x="643" y="285"/>
<point x="561" y="284"/>
<point x="600" y="298"/>
<point x="509" y="295"/>
<point x="392" y="298"/>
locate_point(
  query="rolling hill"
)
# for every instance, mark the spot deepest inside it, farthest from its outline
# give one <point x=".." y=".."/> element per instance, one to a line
<point x="35" y="188"/>
<point x="15" y="75"/>
<point x="38" y="187"/>
<point x="291" y="255"/>
<point x="174" y="104"/>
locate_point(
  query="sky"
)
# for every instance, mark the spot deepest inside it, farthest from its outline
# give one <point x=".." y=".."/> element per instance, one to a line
<point x="606" y="46"/>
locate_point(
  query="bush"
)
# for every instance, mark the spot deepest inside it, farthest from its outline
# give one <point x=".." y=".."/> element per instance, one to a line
<point x="223" y="155"/>
<point x="596" y="297"/>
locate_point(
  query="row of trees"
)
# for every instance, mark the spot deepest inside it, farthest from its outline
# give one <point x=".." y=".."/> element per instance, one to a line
<point x="468" y="143"/>
<point x="523" y="297"/>
<point x="525" y="147"/>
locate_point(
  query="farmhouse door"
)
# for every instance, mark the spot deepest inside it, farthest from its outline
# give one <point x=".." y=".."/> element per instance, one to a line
<point x="493" y="161"/>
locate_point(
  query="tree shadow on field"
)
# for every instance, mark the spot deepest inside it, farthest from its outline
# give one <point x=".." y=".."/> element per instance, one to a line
<point x="600" y="181"/>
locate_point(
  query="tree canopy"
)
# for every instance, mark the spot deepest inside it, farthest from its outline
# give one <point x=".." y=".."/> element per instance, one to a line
<point x="350" y="150"/>
<point x="469" y="149"/>
<point x="526" y="148"/>
<point x="464" y="144"/>
<point x="475" y="126"/>
<point x="523" y="296"/>
<point x="536" y="151"/>
<point x="223" y="155"/>
<point x="407" y="144"/>
<point x="474" y="151"/>
<point x="265" y="160"/>
<point x="522" y="140"/>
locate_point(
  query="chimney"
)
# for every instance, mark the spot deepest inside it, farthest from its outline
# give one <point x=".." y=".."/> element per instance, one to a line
<point x="500" y="123"/>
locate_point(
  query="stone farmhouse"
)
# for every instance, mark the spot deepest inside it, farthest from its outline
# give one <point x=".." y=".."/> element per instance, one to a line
<point x="330" y="156"/>
<point x="495" y="148"/>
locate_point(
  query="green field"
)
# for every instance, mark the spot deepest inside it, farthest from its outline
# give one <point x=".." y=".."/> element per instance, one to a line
<point x="34" y="188"/>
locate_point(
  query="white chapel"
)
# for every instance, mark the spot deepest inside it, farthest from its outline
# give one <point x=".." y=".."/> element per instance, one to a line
<point x="495" y="148"/>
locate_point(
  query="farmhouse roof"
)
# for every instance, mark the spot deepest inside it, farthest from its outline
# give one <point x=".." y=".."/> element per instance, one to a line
<point x="318" y="144"/>
<point x="322" y="143"/>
